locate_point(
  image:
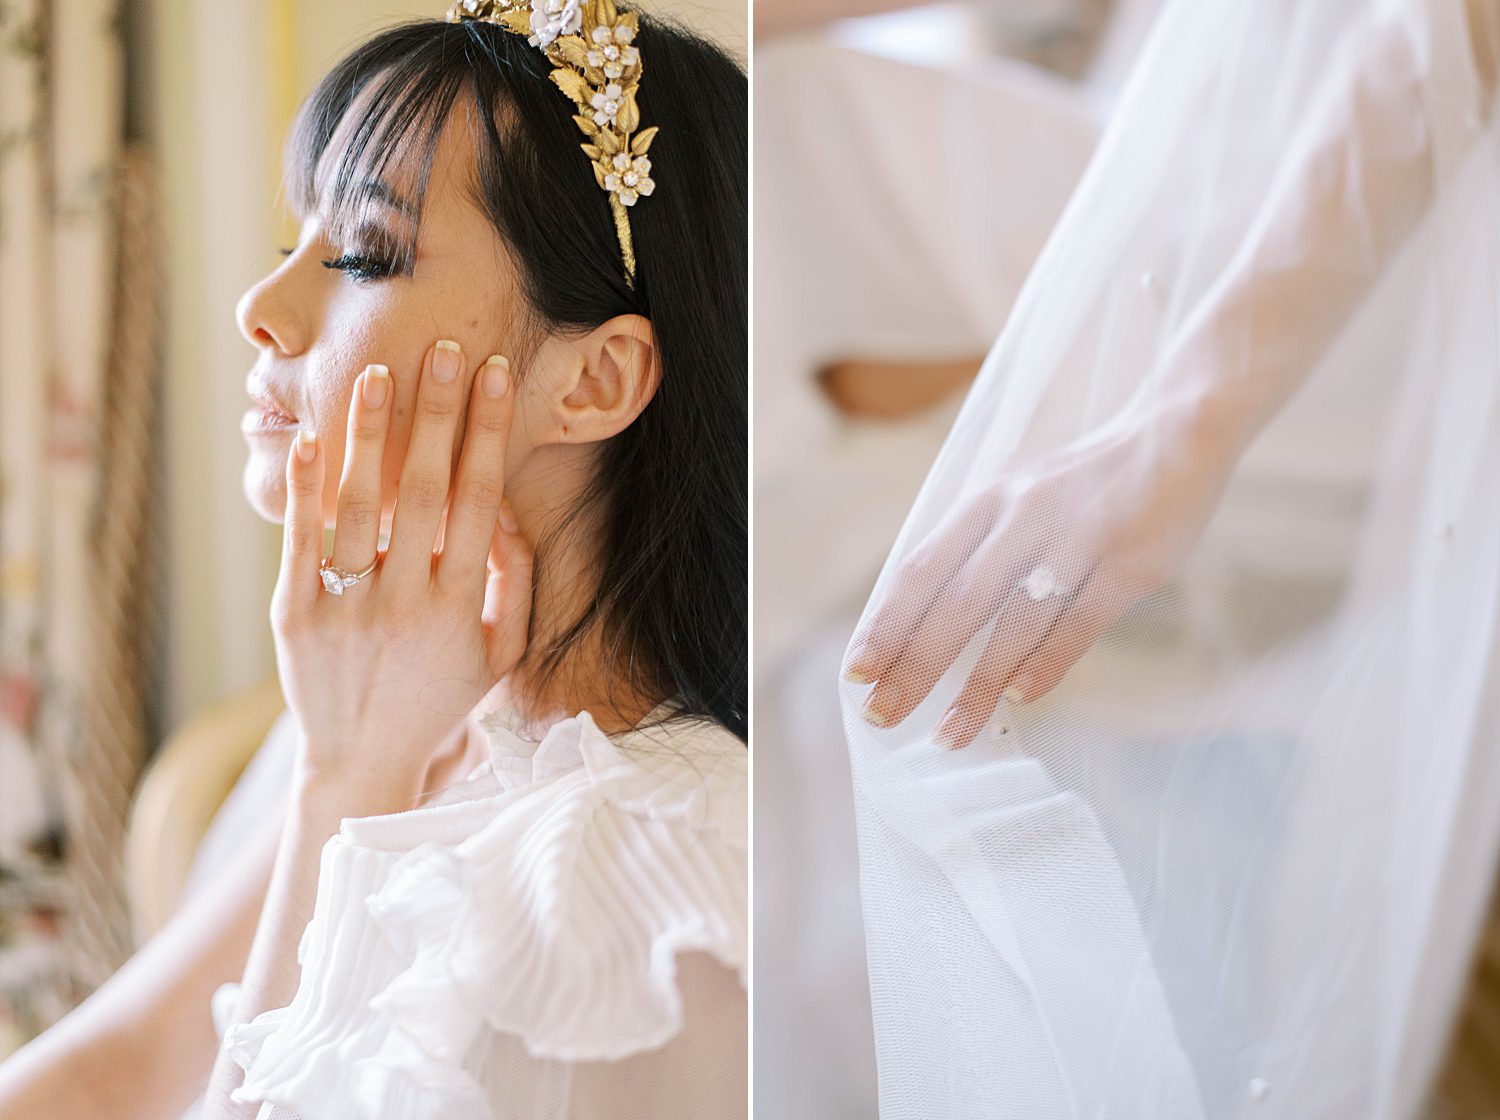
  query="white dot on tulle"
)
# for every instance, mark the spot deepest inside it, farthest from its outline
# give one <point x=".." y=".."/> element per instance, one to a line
<point x="1041" y="582"/>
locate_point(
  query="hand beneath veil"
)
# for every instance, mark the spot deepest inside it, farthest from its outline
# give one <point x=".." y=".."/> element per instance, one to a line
<point x="1052" y="553"/>
<point x="378" y="675"/>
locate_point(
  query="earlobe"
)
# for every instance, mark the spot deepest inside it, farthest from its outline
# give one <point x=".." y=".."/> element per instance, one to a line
<point x="615" y="375"/>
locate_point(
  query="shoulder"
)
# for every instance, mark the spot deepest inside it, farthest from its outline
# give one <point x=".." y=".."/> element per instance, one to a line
<point x="567" y="907"/>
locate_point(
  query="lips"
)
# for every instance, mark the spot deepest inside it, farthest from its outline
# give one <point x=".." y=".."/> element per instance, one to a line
<point x="275" y="414"/>
<point x="271" y="405"/>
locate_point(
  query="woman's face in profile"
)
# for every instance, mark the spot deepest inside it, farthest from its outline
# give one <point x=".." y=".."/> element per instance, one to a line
<point x="331" y="309"/>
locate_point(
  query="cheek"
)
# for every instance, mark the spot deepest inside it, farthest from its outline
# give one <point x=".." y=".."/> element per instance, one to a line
<point x="376" y="334"/>
<point x="334" y="364"/>
<point x="394" y="326"/>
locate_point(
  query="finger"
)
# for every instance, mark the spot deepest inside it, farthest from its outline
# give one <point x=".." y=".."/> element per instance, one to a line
<point x="298" y="583"/>
<point x="939" y="639"/>
<point x="507" y="606"/>
<point x="499" y="546"/>
<point x="1025" y="624"/>
<point x="1083" y="624"/>
<point x="919" y="581"/>
<point x="477" y="493"/>
<point x="965" y="607"/>
<point x="356" y="531"/>
<point x="425" y="475"/>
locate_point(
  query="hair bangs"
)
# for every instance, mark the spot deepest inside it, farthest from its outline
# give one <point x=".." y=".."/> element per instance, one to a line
<point x="364" y="142"/>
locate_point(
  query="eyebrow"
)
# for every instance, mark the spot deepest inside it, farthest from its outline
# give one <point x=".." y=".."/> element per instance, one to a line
<point x="380" y="189"/>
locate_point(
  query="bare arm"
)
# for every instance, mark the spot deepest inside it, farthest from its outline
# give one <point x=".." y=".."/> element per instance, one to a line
<point x="271" y="973"/>
<point x="1356" y="181"/>
<point x="144" y="1042"/>
<point x="1324" y="236"/>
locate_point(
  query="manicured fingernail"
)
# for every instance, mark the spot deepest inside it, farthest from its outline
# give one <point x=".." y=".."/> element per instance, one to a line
<point x="496" y="375"/>
<point x="446" y="360"/>
<point x="377" y="386"/>
<point x="1016" y="692"/>
<point x="854" y="672"/>
<point x="307" y="444"/>
<point x="878" y="719"/>
<point x="507" y="520"/>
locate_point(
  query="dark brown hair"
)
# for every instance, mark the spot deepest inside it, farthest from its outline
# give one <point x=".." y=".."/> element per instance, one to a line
<point x="672" y="603"/>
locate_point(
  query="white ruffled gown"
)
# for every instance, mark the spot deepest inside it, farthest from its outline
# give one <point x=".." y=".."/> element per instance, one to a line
<point x="564" y="934"/>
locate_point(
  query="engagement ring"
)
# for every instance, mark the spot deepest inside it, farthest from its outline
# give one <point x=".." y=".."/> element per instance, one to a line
<point x="1041" y="583"/>
<point x="335" y="579"/>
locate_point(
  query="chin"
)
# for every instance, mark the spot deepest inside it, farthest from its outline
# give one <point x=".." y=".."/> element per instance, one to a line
<point x="265" y="490"/>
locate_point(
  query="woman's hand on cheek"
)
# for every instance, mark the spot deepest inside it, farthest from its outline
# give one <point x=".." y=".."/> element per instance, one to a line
<point x="378" y="675"/>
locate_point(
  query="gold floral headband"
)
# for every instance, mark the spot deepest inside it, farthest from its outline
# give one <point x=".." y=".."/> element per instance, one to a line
<point x="590" y="44"/>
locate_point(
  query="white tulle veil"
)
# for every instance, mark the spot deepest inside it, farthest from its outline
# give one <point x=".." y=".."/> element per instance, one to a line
<point x="1234" y="465"/>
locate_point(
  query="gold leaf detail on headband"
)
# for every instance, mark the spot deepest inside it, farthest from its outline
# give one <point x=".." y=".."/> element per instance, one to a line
<point x="591" y="45"/>
<point x="572" y="83"/>
<point x="516" y="21"/>
<point x="572" y="50"/>
<point x="642" y="141"/>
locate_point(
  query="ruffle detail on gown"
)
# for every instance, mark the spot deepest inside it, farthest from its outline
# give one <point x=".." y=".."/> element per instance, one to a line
<point x="550" y="903"/>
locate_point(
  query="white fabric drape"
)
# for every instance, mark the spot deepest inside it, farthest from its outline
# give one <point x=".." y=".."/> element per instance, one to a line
<point x="910" y="251"/>
<point x="1237" y="454"/>
<point x="876" y="251"/>
<point x="833" y="280"/>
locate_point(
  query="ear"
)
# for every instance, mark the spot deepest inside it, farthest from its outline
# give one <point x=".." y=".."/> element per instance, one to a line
<point x="603" y="380"/>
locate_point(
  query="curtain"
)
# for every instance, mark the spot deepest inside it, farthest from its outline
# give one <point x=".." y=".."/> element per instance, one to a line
<point x="78" y="339"/>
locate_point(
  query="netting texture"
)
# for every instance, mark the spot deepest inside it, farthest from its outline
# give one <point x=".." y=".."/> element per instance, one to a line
<point x="1174" y="717"/>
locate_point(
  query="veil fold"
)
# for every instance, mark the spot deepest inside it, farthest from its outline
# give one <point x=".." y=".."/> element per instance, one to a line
<point x="1216" y="536"/>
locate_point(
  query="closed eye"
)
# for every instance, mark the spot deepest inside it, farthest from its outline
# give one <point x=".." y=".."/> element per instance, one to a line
<point x="362" y="267"/>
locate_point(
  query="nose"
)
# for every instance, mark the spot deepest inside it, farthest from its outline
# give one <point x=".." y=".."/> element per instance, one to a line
<point x="270" y="316"/>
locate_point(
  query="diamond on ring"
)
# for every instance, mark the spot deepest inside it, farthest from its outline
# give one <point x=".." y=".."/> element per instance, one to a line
<point x="335" y="579"/>
<point x="1041" y="582"/>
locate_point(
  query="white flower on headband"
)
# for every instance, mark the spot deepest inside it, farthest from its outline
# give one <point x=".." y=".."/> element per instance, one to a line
<point x="553" y="18"/>
<point x="606" y="104"/>
<point x="591" y="46"/>
<point x="630" y="178"/>
<point x="612" y="51"/>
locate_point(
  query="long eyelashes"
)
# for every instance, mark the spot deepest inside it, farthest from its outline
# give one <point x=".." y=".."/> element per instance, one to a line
<point x="362" y="266"/>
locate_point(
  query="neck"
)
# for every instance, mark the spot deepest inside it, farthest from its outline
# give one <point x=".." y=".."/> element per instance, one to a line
<point x="586" y="676"/>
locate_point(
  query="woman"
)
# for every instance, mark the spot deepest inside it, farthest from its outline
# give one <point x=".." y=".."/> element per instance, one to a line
<point x="1173" y="716"/>
<point x="561" y="931"/>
